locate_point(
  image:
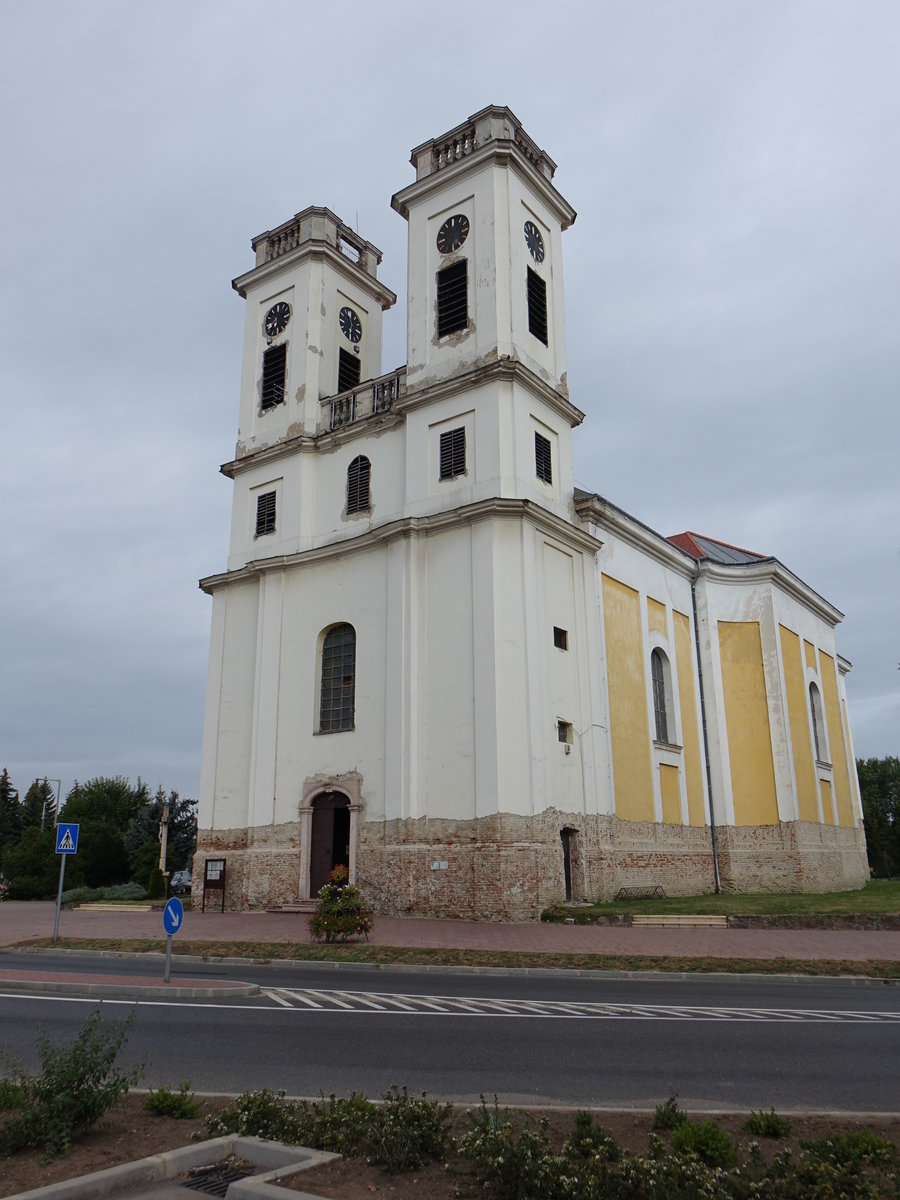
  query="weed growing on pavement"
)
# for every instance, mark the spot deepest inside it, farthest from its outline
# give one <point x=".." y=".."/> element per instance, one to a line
<point x="181" y="1105"/>
<point x="76" y="1085"/>
<point x="767" y="1124"/>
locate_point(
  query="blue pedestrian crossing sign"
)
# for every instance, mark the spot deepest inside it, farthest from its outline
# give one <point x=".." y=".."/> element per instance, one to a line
<point x="67" y="839"/>
<point x="173" y="915"/>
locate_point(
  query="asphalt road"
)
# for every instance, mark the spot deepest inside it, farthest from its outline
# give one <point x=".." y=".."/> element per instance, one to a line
<point x="718" y="1042"/>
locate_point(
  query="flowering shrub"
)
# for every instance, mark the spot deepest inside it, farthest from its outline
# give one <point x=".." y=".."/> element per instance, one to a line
<point x="341" y="913"/>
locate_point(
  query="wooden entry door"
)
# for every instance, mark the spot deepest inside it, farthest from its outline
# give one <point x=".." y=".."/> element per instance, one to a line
<point x="330" y="839"/>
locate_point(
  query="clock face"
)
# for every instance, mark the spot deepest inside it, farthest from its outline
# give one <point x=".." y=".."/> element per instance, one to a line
<point x="534" y="241"/>
<point x="452" y="233"/>
<point x="351" y="326"/>
<point x="277" y="318"/>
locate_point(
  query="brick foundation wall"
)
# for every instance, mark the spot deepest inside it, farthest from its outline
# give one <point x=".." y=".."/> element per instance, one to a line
<point x="510" y="867"/>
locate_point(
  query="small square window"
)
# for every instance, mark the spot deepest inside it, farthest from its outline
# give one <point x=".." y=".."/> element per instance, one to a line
<point x="265" y="514"/>
<point x="453" y="453"/>
<point x="543" y="459"/>
<point x="564" y="731"/>
<point x="560" y="638"/>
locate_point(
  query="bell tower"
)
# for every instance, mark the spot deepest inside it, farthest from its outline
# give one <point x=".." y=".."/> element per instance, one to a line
<point x="313" y="324"/>
<point x="485" y="254"/>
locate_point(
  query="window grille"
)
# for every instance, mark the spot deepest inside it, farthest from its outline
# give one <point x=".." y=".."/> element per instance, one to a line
<point x="452" y="299"/>
<point x="274" y="368"/>
<point x="543" y="464"/>
<point x="815" y="706"/>
<point x="348" y="371"/>
<point x="658" y="674"/>
<point x="537" y="306"/>
<point x="560" y="638"/>
<point x="338" y="692"/>
<point x="453" y="453"/>
<point x="358" y="485"/>
<point x="265" y="513"/>
<point x="564" y="731"/>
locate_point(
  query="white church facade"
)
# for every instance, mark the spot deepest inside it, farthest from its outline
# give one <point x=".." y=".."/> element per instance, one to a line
<point x="433" y="659"/>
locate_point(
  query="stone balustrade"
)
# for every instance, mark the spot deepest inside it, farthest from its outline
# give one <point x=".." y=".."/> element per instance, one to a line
<point x="365" y="400"/>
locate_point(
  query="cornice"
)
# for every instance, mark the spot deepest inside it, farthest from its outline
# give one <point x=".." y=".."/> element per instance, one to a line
<point x="311" y="443"/>
<point x="770" y="570"/>
<point x="629" y="529"/>
<point x="509" y="369"/>
<point x="502" y="152"/>
<point x="409" y="527"/>
<point x="316" y="249"/>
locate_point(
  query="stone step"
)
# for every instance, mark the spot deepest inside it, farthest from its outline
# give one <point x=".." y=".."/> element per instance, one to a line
<point x="301" y="906"/>
<point x="713" y="920"/>
<point x="111" y="906"/>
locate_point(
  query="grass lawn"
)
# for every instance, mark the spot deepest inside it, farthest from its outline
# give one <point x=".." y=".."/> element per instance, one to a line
<point x="878" y="896"/>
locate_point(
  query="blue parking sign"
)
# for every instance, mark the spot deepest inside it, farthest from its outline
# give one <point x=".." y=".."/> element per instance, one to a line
<point x="67" y="839"/>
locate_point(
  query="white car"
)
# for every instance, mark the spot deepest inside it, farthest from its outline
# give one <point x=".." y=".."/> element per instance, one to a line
<point x="181" y="883"/>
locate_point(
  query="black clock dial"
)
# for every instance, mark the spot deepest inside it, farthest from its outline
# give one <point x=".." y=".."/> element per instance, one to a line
<point x="351" y="326"/>
<point x="534" y="241"/>
<point x="277" y="318"/>
<point x="452" y="233"/>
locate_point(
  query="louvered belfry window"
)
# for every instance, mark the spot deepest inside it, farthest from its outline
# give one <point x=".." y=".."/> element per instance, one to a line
<point x="265" y="513"/>
<point x="453" y="453"/>
<point x="336" y="704"/>
<point x="348" y="371"/>
<point x="452" y="299"/>
<point x="274" y="368"/>
<point x="543" y="464"/>
<point x="537" y="306"/>
<point x="358" y="485"/>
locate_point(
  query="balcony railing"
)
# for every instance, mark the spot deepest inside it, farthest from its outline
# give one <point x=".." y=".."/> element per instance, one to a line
<point x="366" y="400"/>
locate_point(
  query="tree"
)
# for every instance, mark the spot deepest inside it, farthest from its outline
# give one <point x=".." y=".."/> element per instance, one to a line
<point x="103" y="807"/>
<point x="879" y="788"/>
<point x="10" y="813"/>
<point x="32" y="867"/>
<point x="39" y="806"/>
<point x="142" y="837"/>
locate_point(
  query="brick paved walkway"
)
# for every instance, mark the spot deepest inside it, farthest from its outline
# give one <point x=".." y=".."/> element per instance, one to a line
<point x="21" y="921"/>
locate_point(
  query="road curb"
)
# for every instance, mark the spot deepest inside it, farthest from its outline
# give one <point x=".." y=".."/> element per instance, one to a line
<point x="130" y="991"/>
<point x="444" y="969"/>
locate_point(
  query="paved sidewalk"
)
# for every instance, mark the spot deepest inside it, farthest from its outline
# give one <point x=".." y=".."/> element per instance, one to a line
<point x="20" y="921"/>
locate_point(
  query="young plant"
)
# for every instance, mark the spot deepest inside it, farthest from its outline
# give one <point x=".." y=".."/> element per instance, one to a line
<point x="668" y="1115"/>
<point x="181" y="1105"/>
<point x="706" y="1141"/>
<point x="767" y="1124"/>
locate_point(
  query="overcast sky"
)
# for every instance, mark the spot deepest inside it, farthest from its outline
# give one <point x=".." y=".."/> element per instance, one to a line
<point x="732" y="301"/>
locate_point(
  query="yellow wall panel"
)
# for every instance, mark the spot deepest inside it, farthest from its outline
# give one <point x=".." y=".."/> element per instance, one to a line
<point x="690" y="733"/>
<point x="656" y="617"/>
<point x="629" y="728"/>
<point x="827" y="806"/>
<point x="798" y="720"/>
<point x="854" y="777"/>
<point x="810" y="652"/>
<point x="671" y="794"/>
<point x="747" y="721"/>
<point x="836" y="740"/>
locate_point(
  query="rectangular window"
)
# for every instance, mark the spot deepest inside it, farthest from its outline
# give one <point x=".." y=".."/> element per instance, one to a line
<point x="265" y="514"/>
<point x="453" y="453"/>
<point x="274" y="368"/>
<point x="560" y="638"/>
<point x="452" y="299"/>
<point x="537" y="306"/>
<point x="543" y="464"/>
<point x="564" y="731"/>
<point x="348" y="371"/>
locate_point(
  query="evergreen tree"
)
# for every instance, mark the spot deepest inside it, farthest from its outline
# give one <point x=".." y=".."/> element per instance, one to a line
<point x="10" y="813"/>
<point x="39" y="807"/>
<point x="32" y="866"/>
<point x="142" y="837"/>
<point x="879" y="789"/>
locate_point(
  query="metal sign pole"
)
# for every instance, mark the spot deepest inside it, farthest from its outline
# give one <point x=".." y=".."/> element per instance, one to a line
<point x="62" y="872"/>
<point x="168" y="957"/>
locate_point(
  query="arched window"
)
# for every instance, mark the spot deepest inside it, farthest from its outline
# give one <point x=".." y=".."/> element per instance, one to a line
<point x="658" y="669"/>
<point x="818" y="723"/>
<point x="358" y="485"/>
<point x="338" y="691"/>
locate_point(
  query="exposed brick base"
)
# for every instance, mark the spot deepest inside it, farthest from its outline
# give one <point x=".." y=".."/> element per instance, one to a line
<point x="509" y="868"/>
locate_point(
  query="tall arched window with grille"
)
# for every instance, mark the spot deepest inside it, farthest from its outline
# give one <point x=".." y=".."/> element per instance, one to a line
<point x="358" y="485"/>
<point x="818" y="722"/>
<point x="338" y="686"/>
<point x="658" y="668"/>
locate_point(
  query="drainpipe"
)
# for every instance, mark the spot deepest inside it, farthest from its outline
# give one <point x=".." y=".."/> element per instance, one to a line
<point x="712" y="819"/>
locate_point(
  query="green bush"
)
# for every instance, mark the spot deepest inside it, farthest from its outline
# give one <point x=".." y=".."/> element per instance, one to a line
<point x="705" y="1140"/>
<point x="263" y="1114"/>
<point x="156" y="885"/>
<point x="590" y="1141"/>
<point x="118" y="891"/>
<point x="181" y="1104"/>
<point x="405" y="1132"/>
<point x="75" y="1087"/>
<point x="512" y="1163"/>
<point x="767" y="1124"/>
<point x="668" y="1115"/>
<point x="340" y="913"/>
<point x="852" y="1149"/>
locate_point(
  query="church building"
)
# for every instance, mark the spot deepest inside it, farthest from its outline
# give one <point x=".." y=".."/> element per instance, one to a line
<point x="434" y="659"/>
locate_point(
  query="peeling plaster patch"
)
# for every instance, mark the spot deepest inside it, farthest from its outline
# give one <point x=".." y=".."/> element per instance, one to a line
<point x="563" y="385"/>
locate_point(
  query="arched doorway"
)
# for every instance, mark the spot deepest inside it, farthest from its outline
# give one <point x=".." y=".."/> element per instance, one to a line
<point x="330" y="838"/>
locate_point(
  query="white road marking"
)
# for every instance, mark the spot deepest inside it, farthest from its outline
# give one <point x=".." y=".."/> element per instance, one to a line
<point x="278" y="1000"/>
<point x="300" y="998"/>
